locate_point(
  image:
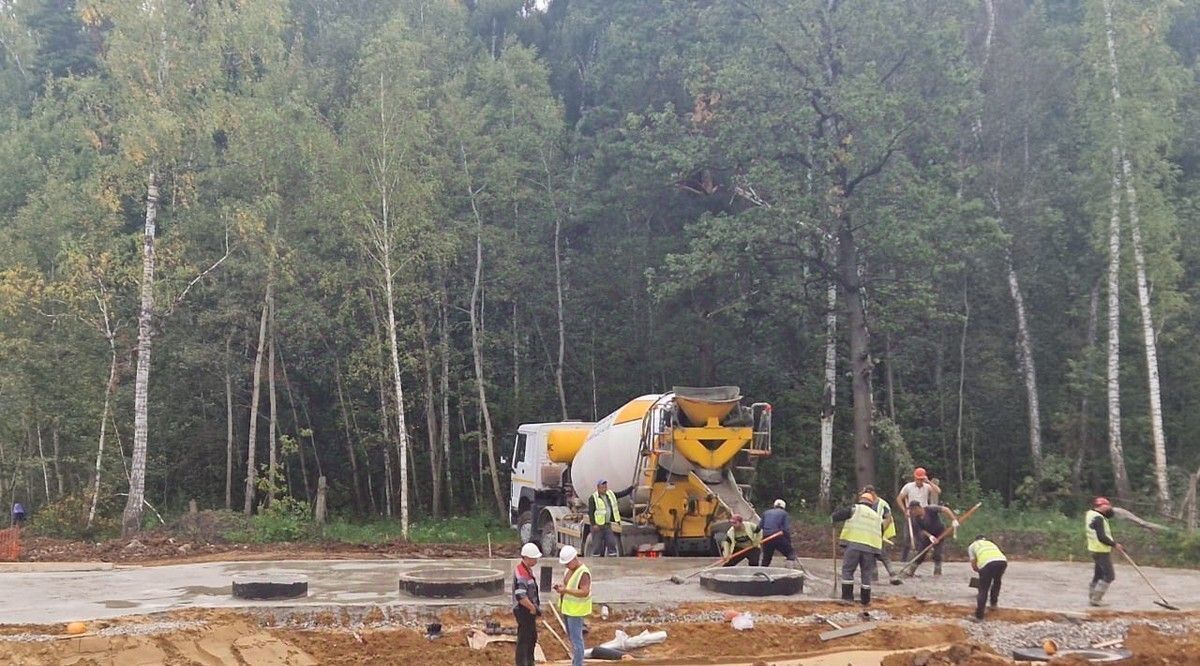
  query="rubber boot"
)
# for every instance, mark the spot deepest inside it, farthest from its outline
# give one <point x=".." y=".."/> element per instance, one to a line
<point x="848" y="592"/>
<point x="864" y="595"/>
<point x="1097" y="595"/>
<point x="937" y="568"/>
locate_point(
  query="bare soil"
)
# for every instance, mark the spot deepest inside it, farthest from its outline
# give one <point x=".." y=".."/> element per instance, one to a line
<point x="220" y="638"/>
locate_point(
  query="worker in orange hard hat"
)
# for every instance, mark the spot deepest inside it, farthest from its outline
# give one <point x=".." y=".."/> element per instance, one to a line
<point x="1100" y="543"/>
<point x="920" y="490"/>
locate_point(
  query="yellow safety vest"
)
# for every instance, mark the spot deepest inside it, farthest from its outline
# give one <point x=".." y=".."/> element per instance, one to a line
<point x="600" y="517"/>
<point x="987" y="552"/>
<point x="889" y="532"/>
<point x="573" y="606"/>
<point x="735" y="541"/>
<point x="1093" y="541"/>
<point x="864" y="527"/>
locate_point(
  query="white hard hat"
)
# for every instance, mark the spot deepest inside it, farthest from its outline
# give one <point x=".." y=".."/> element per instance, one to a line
<point x="780" y="504"/>
<point x="567" y="554"/>
<point x="531" y="550"/>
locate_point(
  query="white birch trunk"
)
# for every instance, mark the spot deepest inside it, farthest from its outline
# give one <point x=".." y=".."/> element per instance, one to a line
<point x="228" y="428"/>
<point x="962" y="376"/>
<point x="37" y="426"/>
<point x="273" y="422"/>
<point x="1115" y="449"/>
<point x="562" y="330"/>
<point x="477" y="343"/>
<point x="131" y="519"/>
<point x="829" y="396"/>
<point x="109" y="388"/>
<point x="1028" y="368"/>
<point x="401" y="427"/>
<point x="1158" y="436"/>
<point x="445" y="354"/>
<point x="255" y="398"/>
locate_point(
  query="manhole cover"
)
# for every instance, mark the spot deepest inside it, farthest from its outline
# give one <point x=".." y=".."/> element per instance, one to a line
<point x="269" y="586"/>
<point x="449" y="583"/>
<point x="1090" y="655"/>
<point x="753" y="581"/>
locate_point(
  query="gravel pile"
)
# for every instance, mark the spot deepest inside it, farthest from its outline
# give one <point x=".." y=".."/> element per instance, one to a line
<point x="141" y="629"/>
<point x="1004" y="637"/>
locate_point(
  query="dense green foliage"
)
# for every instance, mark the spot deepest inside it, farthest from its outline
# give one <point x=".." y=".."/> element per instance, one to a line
<point x="667" y="180"/>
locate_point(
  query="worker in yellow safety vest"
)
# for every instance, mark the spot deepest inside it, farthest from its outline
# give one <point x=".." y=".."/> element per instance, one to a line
<point x="862" y="536"/>
<point x="884" y="510"/>
<point x="990" y="563"/>
<point x="605" y="515"/>
<point x="576" y="593"/>
<point x="742" y="534"/>
<point x="1100" y="543"/>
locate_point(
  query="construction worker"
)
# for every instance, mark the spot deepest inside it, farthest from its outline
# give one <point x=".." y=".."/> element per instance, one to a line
<point x="576" y="594"/>
<point x="927" y="523"/>
<point x="889" y="532"/>
<point x="1100" y="544"/>
<point x="526" y="604"/>
<point x="990" y="563"/>
<point x="18" y="515"/>
<point x="862" y="535"/>
<point x="606" y="519"/>
<point x="920" y="490"/>
<point x="775" y="521"/>
<point x="742" y="534"/>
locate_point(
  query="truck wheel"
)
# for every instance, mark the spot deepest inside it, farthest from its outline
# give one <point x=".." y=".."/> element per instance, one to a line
<point x="549" y="544"/>
<point x="525" y="526"/>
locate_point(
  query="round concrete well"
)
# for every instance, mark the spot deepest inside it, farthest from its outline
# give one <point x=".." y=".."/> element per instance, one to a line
<point x="1090" y="655"/>
<point x="450" y="583"/>
<point x="753" y="581"/>
<point x="268" y="586"/>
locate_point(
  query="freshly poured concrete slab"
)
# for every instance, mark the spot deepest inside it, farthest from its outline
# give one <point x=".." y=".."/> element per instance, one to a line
<point x="62" y="596"/>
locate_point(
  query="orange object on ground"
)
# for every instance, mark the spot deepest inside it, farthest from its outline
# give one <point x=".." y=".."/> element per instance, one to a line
<point x="10" y="544"/>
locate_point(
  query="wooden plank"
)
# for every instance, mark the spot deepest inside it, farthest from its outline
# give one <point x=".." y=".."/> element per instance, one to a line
<point x="848" y="631"/>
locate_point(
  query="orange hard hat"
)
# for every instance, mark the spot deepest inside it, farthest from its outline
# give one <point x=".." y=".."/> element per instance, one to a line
<point x="919" y="473"/>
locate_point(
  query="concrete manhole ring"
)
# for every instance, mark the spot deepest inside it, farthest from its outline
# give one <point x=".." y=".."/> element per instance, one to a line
<point x="269" y="586"/>
<point x="753" y="581"/>
<point x="452" y="582"/>
<point x="1090" y="655"/>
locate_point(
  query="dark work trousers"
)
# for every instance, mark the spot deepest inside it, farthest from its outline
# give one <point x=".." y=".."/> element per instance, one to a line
<point x="783" y="544"/>
<point x="604" y="541"/>
<point x="526" y="636"/>
<point x="923" y="541"/>
<point x="989" y="585"/>
<point x="751" y="556"/>
<point x="908" y="539"/>
<point x="1104" y="568"/>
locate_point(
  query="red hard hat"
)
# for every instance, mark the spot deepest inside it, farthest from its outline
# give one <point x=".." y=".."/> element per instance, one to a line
<point x="1100" y="502"/>
<point x="919" y="473"/>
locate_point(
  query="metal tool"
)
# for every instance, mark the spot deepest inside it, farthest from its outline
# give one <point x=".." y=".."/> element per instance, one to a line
<point x="680" y="580"/>
<point x="1162" y="601"/>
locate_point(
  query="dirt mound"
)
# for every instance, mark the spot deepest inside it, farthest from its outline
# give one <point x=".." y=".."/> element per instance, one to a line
<point x="959" y="654"/>
<point x="1152" y="648"/>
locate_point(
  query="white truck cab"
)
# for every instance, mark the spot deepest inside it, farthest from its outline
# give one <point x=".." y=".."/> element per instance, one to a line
<point x="540" y="456"/>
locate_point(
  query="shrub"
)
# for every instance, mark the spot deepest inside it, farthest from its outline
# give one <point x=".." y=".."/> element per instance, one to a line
<point x="66" y="518"/>
<point x="285" y="519"/>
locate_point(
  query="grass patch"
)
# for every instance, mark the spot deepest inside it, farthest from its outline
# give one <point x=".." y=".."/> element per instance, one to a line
<point x="458" y="529"/>
<point x="1051" y="535"/>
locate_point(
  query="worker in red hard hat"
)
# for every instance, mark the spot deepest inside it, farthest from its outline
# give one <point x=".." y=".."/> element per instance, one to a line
<point x="1100" y="543"/>
<point x="922" y="491"/>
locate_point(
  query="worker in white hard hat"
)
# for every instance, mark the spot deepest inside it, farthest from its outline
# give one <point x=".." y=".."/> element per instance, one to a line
<point x="526" y="604"/>
<point x="576" y="593"/>
<point x="774" y="521"/>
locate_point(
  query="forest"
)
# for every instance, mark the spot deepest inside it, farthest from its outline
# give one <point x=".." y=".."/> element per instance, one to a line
<point x="245" y="246"/>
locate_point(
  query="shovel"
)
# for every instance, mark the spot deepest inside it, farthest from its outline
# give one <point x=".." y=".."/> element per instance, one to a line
<point x="680" y="580"/>
<point x="1162" y="601"/>
<point x="911" y="566"/>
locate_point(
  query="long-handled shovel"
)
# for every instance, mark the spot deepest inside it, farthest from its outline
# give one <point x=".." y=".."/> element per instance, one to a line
<point x="680" y="580"/>
<point x="911" y="566"/>
<point x="1162" y="601"/>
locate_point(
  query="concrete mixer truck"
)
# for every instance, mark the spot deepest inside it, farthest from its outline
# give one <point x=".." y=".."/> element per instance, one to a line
<point x="682" y="462"/>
